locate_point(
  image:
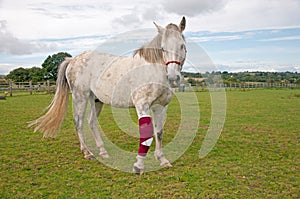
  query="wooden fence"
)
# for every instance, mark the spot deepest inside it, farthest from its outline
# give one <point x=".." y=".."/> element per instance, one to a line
<point x="233" y="86"/>
<point x="12" y="87"/>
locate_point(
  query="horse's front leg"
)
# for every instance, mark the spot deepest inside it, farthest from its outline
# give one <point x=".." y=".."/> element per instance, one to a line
<point x="146" y="135"/>
<point x="159" y="116"/>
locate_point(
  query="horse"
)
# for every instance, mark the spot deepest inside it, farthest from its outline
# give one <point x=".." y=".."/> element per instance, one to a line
<point x="145" y="80"/>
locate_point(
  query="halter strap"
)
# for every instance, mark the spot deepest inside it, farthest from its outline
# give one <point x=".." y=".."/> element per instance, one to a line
<point x="173" y="62"/>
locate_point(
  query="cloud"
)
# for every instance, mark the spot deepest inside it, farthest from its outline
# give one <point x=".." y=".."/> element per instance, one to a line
<point x="159" y="11"/>
<point x="128" y="19"/>
<point x="14" y="46"/>
<point x="50" y="13"/>
<point x="152" y="13"/>
<point x="193" y="7"/>
<point x="139" y="16"/>
<point x="252" y="15"/>
<point x="66" y="10"/>
<point x="214" y="38"/>
<point x="288" y="38"/>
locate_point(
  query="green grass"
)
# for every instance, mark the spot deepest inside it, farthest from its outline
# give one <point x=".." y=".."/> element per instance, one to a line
<point x="257" y="155"/>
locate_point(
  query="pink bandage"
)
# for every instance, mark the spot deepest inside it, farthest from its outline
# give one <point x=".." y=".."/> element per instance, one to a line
<point x="146" y="135"/>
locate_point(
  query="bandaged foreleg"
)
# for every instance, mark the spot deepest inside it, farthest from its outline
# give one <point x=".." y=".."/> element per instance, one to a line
<point x="146" y="135"/>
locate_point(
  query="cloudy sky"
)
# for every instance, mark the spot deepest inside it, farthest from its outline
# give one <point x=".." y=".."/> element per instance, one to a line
<point x="237" y="35"/>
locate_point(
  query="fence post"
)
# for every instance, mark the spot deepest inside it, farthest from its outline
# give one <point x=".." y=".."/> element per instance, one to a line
<point x="10" y="88"/>
<point x="48" y="86"/>
<point x="30" y="87"/>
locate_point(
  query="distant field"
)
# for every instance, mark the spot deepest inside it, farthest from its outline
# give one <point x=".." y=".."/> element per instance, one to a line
<point x="257" y="155"/>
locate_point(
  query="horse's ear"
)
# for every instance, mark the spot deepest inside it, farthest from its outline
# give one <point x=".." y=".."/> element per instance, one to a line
<point x="159" y="28"/>
<point x="182" y="24"/>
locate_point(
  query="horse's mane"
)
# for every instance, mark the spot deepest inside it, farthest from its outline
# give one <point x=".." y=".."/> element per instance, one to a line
<point x="152" y="51"/>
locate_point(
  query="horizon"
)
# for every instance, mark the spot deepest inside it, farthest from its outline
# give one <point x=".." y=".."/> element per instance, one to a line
<point x="218" y="71"/>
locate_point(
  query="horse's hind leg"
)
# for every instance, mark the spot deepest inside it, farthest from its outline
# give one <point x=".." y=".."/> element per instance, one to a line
<point x="95" y="110"/>
<point x="159" y="116"/>
<point x="80" y="100"/>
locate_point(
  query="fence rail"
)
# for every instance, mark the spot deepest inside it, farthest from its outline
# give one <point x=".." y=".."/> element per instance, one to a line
<point x="12" y="87"/>
<point x="233" y="86"/>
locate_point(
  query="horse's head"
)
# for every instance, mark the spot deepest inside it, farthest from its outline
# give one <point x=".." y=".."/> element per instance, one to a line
<point x="173" y="50"/>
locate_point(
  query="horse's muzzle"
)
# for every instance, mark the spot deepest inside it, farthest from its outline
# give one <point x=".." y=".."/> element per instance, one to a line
<point x="175" y="81"/>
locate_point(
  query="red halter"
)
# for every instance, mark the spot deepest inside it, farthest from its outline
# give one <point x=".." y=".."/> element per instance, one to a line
<point x="173" y="62"/>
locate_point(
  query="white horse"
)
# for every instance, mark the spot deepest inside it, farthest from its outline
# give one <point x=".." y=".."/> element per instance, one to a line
<point x="143" y="81"/>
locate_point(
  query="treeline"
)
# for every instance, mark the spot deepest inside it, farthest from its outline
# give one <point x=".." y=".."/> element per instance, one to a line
<point x="36" y="74"/>
<point x="263" y="77"/>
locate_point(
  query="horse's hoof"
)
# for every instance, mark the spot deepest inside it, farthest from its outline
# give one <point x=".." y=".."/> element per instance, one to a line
<point x="138" y="169"/>
<point x="89" y="157"/>
<point x="104" y="155"/>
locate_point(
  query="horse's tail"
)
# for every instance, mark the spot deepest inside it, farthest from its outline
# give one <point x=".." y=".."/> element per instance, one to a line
<point x="50" y="123"/>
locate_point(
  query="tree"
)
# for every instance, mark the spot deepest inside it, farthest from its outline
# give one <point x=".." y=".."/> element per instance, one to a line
<point x="51" y="64"/>
<point x="19" y="75"/>
<point x="36" y="74"/>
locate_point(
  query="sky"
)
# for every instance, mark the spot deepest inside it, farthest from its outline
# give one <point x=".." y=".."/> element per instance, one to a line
<point x="236" y="35"/>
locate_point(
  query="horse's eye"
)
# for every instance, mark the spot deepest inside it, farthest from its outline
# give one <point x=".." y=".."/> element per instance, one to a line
<point x="163" y="49"/>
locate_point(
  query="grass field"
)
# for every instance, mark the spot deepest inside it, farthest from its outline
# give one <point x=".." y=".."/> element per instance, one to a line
<point x="257" y="155"/>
